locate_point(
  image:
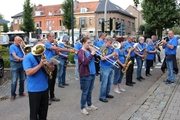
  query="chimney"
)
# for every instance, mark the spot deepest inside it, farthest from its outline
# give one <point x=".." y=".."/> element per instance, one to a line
<point x="76" y="4"/>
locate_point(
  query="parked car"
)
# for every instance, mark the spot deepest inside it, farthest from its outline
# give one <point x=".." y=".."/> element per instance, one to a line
<point x="4" y="40"/>
<point x="1" y="67"/>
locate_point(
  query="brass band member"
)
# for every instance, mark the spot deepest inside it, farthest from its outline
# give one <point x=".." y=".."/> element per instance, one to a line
<point x="118" y="74"/>
<point x="16" y="57"/>
<point x="50" y="52"/>
<point x="87" y="75"/>
<point x="129" y="44"/>
<point x="106" y="72"/>
<point x="151" y="50"/>
<point x="37" y="85"/>
<point x="139" y="51"/>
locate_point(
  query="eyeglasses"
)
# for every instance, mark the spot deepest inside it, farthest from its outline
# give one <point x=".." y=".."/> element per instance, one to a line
<point x="88" y="42"/>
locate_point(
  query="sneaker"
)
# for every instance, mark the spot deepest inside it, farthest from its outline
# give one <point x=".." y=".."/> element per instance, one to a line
<point x="92" y="107"/>
<point x="117" y="91"/>
<point x="84" y="111"/>
<point x="122" y="89"/>
<point x="76" y="78"/>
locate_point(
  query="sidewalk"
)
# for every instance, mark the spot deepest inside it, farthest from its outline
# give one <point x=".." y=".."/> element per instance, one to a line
<point x="160" y="102"/>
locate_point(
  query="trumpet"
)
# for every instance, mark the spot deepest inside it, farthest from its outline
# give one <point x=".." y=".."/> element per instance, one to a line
<point x="38" y="50"/>
<point x="104" y="52"/>
<point x="26" y="49"/>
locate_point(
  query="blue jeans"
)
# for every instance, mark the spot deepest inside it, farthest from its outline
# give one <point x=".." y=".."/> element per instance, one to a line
<point x="106" y="81"/>
<point x="76" y="68"/>
<point x="17" y="71"/>
<point x="169" y="64"/>
<point x="118" y="75"/>
<point x="62" y="72"/>
<point x="87" y="85"/>
<point x="139" y="66"/>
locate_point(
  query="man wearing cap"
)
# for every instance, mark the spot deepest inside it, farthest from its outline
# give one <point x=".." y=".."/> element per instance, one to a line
<point x="63" y="61"/>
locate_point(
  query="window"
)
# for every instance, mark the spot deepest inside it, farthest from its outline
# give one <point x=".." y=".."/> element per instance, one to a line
<point x="82" y="22"/>
<point x="122" y="21"/>
<point x="60" y="22"/>
<point x="129" y="24"/>
<point x="15" y="21"/>
<point x="61" y="11"/>
<point x="133" y="25"/>
<point x="101" y="20"/>
<point x="38" y="24"/>
<point x="50" y="13"/>
<point x="19" y="21"/>
<point x="117" y="19"/>
<point x="49" y="23"/>
<point x="90" y="20"/>
<point x="84" y="9"/>
<point x="38" y="13"/>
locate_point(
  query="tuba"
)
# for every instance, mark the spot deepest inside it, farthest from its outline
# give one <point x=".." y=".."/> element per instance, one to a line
<point x="38" y="50"/>
<point x="127" y="62"/>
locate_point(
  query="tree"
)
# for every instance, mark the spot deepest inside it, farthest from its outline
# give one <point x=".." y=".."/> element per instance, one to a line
<point x="28" y="20"/>
<point x="66" y="8"/>
<point x="5" y="26"/>
<point x="160" y="14"/>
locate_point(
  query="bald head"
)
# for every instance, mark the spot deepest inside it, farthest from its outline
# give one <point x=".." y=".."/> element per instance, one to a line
<point x="17" y="40"/>
<point x="171" y="33"/>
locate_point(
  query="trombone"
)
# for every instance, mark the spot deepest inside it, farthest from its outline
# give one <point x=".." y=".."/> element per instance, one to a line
<point x="26" y="49"/>
<point x="104" y="52"/>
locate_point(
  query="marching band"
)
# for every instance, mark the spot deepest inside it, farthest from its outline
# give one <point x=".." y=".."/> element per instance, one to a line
<point x="115" y="59"/>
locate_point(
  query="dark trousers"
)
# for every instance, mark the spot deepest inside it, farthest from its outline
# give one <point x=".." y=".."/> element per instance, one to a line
<point x="52" y="82"/>
<point x="97" y="60"/>
<point x="149" y="64"/>
<point x="129" y="72"/>
<point x="38" y="103"/>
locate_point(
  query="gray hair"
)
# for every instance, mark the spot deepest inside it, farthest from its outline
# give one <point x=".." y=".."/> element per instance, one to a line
<point x="108" y="39"/>
<point x="141" y="38"/>
<point x="38" y="41"/>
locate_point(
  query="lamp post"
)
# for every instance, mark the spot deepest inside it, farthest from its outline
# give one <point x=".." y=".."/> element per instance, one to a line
<point x="105" y="15"/>
<point x="72" y="21"/>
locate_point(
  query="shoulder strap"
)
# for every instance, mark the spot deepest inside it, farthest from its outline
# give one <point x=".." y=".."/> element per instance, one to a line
<point x="42" y="68"/>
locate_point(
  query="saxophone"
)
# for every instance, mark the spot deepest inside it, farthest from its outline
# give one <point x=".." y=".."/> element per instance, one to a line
<point x="127" y="62"/>
<point x="145" y="55"/>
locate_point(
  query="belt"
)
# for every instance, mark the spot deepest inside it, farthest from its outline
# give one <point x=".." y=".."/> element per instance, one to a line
<point x="169" y="54"/>
<point x="16" y="61"/>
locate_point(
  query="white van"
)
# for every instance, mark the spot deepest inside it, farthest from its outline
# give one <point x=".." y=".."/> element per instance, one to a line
<point x="4" y="40"/>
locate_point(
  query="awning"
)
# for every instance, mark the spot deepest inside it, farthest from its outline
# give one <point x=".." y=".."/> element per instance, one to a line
<point x="3" y="21"/>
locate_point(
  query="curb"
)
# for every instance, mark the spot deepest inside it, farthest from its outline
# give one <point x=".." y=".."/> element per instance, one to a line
<point x="135" y="106"/>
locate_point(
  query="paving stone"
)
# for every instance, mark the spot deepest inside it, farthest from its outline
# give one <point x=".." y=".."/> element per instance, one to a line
<point x="167" y="115"/>
<point x="172" y="112"/>
<point x="177" y="117"/>
<point x="155" y="116"/>
<point x="145" y="106"/>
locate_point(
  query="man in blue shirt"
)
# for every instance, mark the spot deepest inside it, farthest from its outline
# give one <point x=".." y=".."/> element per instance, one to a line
<point x="106" y="71"/>
<point x="37" y="85"/>
<point x="16" y="58"/>
<point x="50" y="52"/>
<point x="170" y="47"/>
<point x="129" y="47"/>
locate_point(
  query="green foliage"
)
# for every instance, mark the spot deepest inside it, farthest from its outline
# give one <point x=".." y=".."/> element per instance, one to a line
<point x="160" y="14"/>
<point x="4" y="25"/>
<point x="176" y="29"/>
<point x="66" y="8"/>
<point x="71" y="57"/>
<point x="4" y="52"/>
<point x="28" y="20"/>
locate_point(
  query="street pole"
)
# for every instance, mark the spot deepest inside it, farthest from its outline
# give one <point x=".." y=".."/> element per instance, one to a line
<point x="72" y="22"/>
<point x="105" y="15"/>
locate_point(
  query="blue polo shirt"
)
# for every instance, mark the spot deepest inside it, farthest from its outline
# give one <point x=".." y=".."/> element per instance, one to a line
<point x="91" y="64"/>
<point x="121" y="54"/>
<point x="150" y="56"/>
<point x="127" y="45"/>
<point x="105" y="63"/>
<point x="77" y="46"/>
<point x="174" y="42"/>
<point x="140" y="47"/>
<point x="49" y="53"/>
<point x="100" y="43"/>
<point x="61" y="45"/>
<point x="15" y="49"/>
<point x="37" y="82"/>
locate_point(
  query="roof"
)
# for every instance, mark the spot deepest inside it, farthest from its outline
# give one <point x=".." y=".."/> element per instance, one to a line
<point x="3" y="21"/>
<point x="17" y="15"/>
<point x="111" y="7"/>
<point x="130" y="6"/>
<point x="90" y="5"/>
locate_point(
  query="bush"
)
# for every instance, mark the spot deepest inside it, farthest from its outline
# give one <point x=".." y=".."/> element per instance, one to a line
<point x="71" y="57"/>
<point x="4" y="52"/>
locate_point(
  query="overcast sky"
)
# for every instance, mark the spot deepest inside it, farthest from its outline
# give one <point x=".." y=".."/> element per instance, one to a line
<point x="10" y="8"/>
